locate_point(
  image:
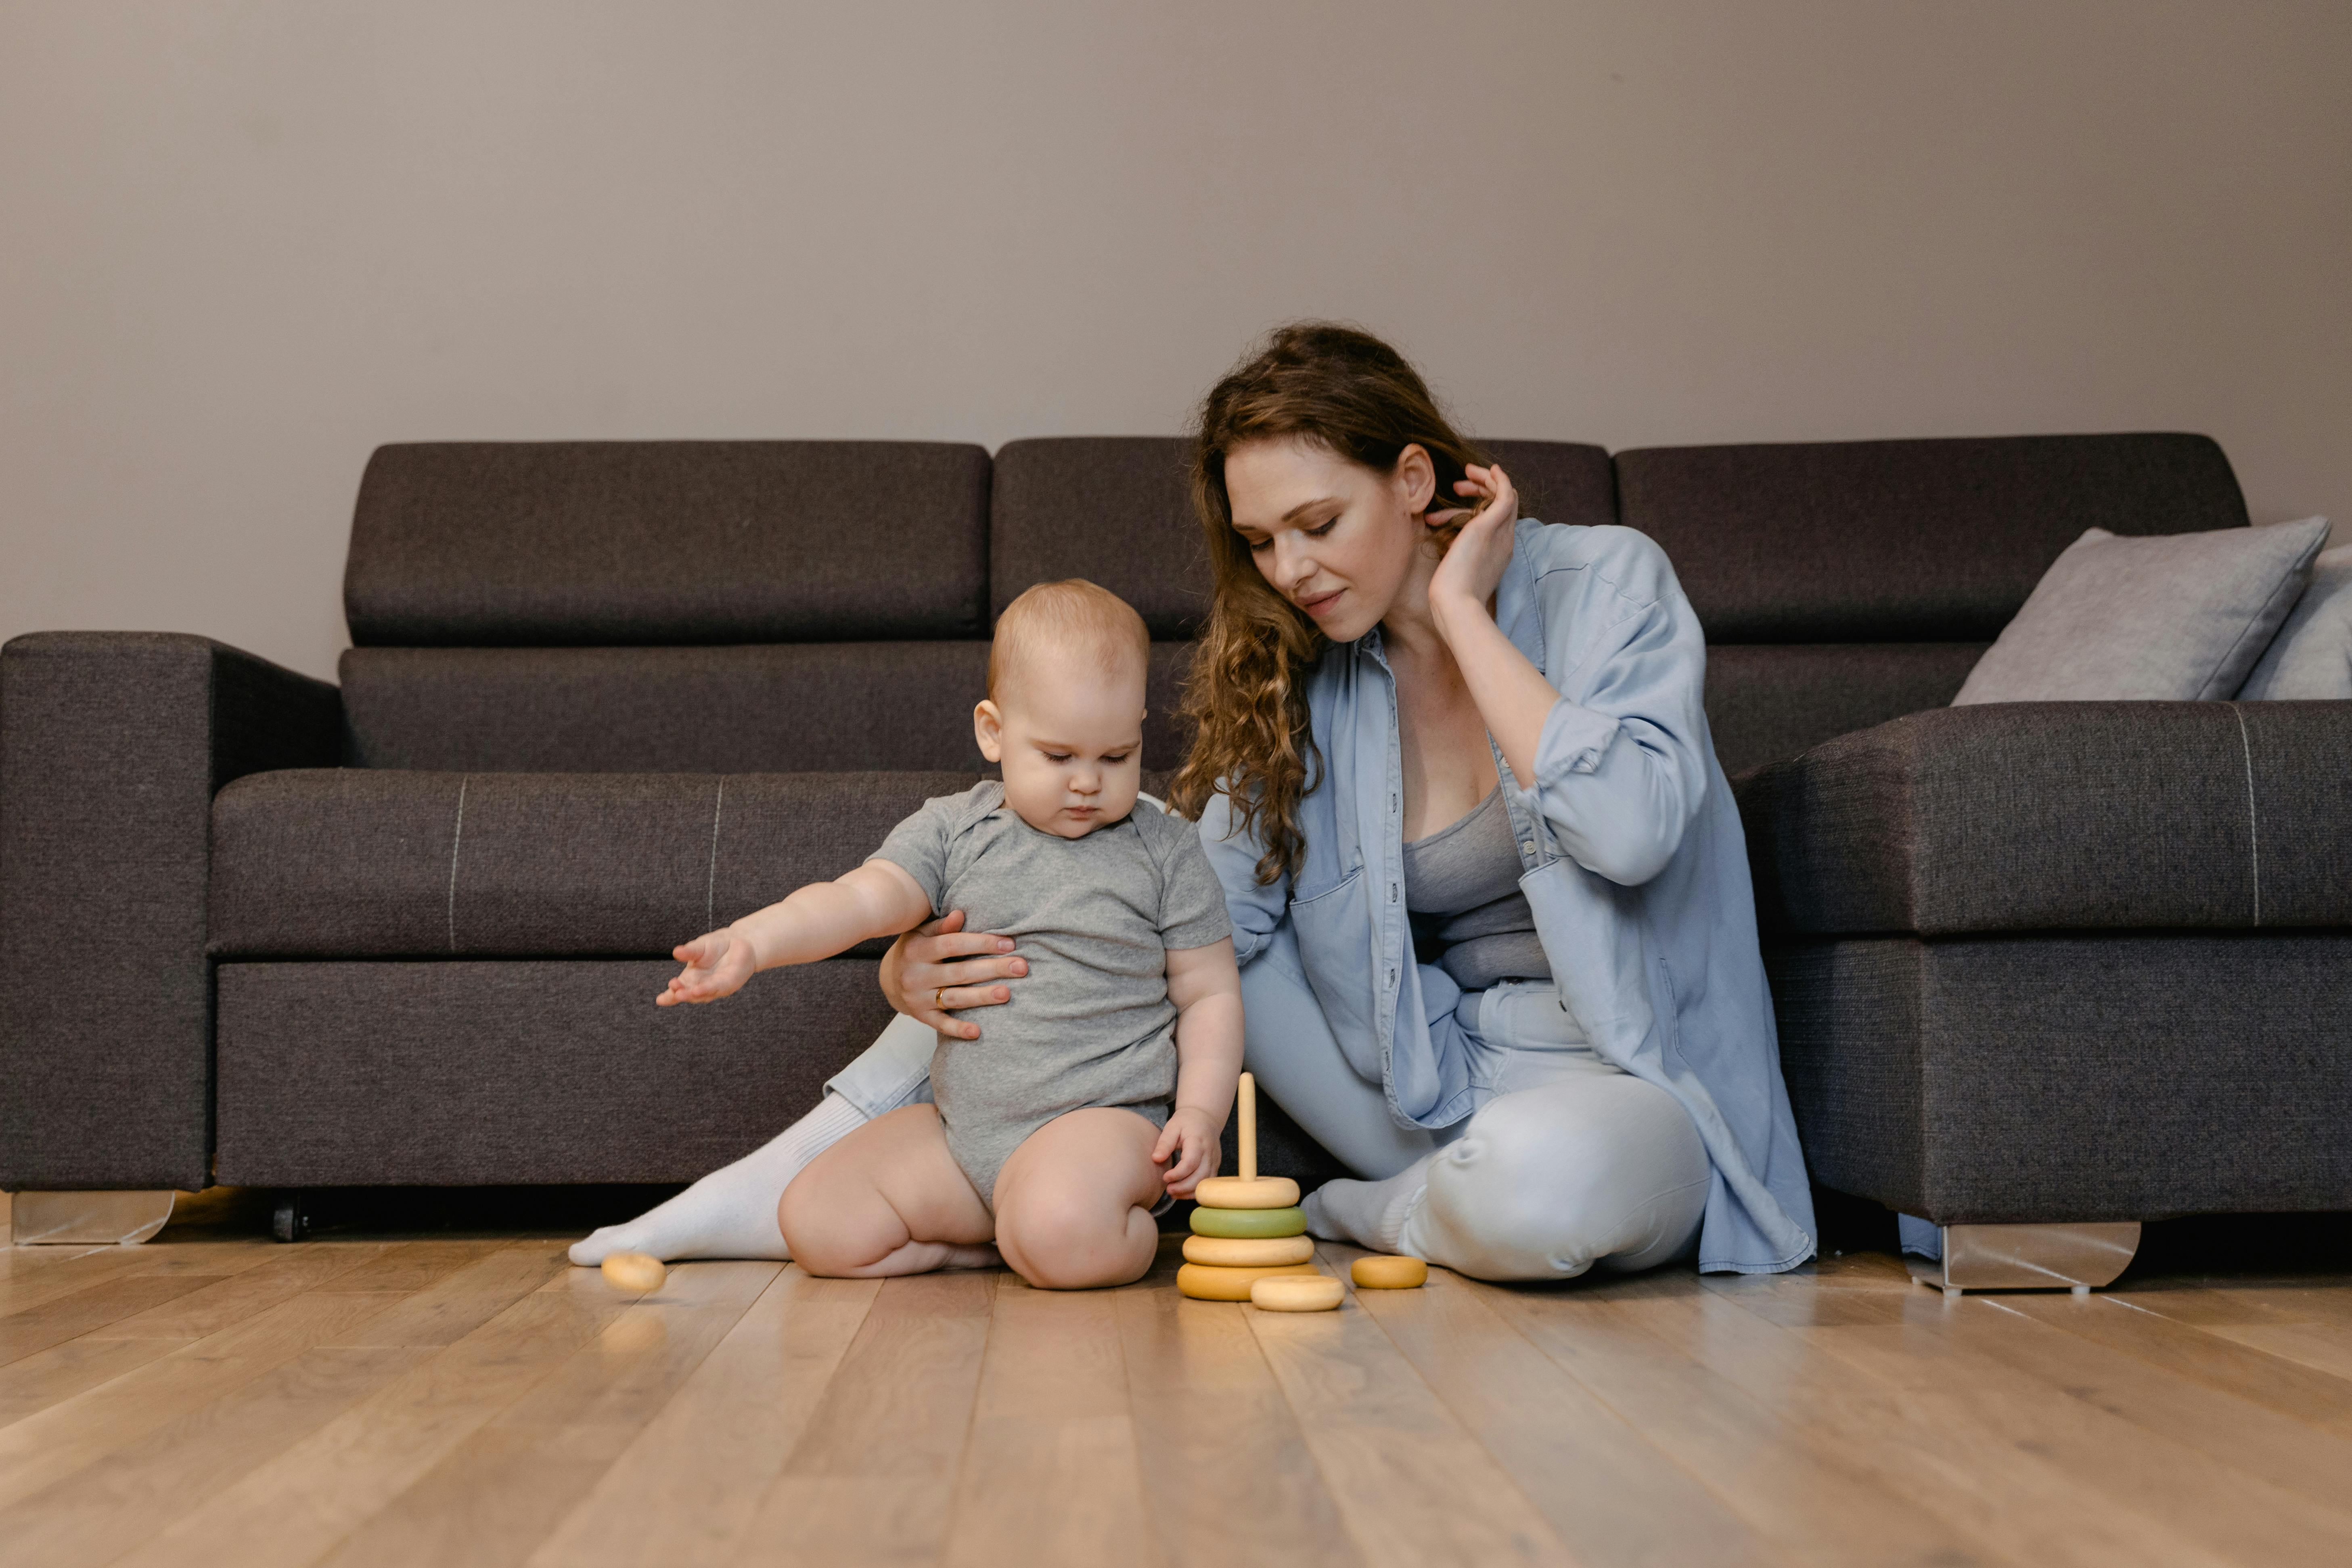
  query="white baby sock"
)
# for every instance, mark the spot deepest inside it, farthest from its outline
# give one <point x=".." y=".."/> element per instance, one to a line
<point x="1370" y="1213"/>
<point x="730" y="1212"/>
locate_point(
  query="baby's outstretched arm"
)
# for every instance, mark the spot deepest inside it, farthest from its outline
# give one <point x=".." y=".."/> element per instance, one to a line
<point x="1205" y="985"/>
<point x="878" y="899"/>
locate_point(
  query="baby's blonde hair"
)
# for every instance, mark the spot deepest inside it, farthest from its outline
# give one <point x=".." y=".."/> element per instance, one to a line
<point x="1070" y="614"/>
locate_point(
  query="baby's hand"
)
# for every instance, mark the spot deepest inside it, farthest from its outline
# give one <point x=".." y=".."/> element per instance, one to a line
<point x="1188" y="1146"/>
<point x="716" y="965"/>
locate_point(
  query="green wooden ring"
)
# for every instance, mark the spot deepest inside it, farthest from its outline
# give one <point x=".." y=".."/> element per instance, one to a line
<point x="1252" y="1223"/>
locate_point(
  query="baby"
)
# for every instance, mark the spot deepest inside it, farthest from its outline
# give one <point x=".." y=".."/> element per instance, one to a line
<point x="1100" y="1088"/>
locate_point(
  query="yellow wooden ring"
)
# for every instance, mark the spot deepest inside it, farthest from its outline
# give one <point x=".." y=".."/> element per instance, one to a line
<point x="1389" y="1273"/>
<point x="1247" y="1192"/>
<point x="1319" y="1294"/>
<point x="1203" y="1282"/>
<point x="1255" y="1223"/>
<point x="1241" y="1252"/>
<point x="636" y="1272"/>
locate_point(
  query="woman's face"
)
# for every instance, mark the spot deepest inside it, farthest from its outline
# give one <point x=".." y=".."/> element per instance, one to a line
<point x="1340" y="541"/>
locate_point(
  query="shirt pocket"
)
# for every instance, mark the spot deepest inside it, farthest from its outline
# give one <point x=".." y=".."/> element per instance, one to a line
<point x="1335" y="933"/>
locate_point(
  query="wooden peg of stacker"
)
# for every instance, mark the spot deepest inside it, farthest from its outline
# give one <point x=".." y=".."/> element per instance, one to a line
<point x="1249" y="1127"/>
<point x="1249" y="1190"/>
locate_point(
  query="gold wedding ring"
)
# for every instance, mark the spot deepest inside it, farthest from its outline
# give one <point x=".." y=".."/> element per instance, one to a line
<point x="940" y="1000"/>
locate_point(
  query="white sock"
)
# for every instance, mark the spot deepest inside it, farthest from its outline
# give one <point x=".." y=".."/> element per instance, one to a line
<point x="730" y="1212"/>
<point x="1370" y="1213"/>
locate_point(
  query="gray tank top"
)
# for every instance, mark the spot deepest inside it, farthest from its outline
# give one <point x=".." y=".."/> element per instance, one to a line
<point x="1462" y="893"/>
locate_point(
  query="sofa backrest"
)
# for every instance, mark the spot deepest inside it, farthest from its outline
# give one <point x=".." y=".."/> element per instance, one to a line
<point x="642" y="544"/>
<point x="809" y="605"/>
<point x="688" y="605"/>
<point x="1844" y="584"/>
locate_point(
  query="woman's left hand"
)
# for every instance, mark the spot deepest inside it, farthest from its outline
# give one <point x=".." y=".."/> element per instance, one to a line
<point x="1474" y="563"/>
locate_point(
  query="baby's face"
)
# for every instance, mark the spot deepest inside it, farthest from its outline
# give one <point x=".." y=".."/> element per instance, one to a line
<point x="1070" y="741"/>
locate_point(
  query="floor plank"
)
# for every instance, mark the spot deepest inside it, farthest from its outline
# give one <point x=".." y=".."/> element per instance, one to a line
<point x="1226" y="1472"/>
<point x="1613" y="1495"/>
<point x="224" y="1302"/>
<point x="2121" y="1324"/>
<point x="1052" y="1424"/>
<point x="216" y="1399"/>
<point x="2109" y="1482"/>
<point x="1825" y="1494"/>
<point x="497" y="1495"/>
<point x="43" y="1448"/>
<point x="874" y="1472"/>
<point x="110" y="1506"/>
<point x="1412" y="1484"/>
<point x="529" y="1310"/>
<point x="36" y="1328"/>
<point x="683" y="1493"/>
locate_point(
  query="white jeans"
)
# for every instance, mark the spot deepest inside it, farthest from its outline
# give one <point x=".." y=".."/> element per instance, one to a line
<point x="1567" y="1164"/>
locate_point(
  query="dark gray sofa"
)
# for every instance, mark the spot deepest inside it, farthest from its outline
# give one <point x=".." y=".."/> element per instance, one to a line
<point x="406" y="930"/>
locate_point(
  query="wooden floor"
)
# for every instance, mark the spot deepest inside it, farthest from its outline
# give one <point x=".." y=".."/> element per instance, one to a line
<point x="220" y="1399"/>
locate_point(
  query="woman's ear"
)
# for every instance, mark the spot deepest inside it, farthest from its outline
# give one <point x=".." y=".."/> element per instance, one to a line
<point x="1416" y="477"/>
<point x="988" y="728"/>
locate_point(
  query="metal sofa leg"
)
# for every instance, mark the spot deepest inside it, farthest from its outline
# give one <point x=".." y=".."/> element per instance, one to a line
<point x="88" y="1219"/>
<point x="2029" y="1257"/>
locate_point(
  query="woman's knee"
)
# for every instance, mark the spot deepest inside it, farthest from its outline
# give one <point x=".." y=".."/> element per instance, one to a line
<point x="1543" y="1184"/>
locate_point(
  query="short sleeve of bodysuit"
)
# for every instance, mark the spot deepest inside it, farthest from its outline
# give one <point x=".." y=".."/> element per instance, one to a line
<point x="918" y="845"/>
<point x="1192" y="901"/>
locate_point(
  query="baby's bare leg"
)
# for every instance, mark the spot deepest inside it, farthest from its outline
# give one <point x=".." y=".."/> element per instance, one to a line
<point x="1073" y="1203"/>
<point x="886" y="1199"/>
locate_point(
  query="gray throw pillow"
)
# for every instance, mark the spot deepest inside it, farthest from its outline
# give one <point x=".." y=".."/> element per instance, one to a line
<point x="2311" y="657"/>
<point x="2173" y="618"/>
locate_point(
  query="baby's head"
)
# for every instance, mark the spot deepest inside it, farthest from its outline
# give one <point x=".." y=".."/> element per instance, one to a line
<point x="1065" y="711"/>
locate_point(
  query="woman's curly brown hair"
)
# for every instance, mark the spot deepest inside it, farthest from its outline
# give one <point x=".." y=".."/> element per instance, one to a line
<point x="1348" y="392"/>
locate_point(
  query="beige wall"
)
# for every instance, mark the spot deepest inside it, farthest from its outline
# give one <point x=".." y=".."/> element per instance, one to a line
<point x="244" y="242"/>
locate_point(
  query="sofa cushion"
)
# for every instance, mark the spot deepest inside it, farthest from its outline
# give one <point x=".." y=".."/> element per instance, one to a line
<point x="472" y="1073"/>
<point x="484" y="1073"/>
<point x="1901" y="540"/>
<point x="2034" y="1078"/>
<point x="2311" y="656"/>
<point x="2175" y="619"/>
<point x="364" y="863"/>
<point x="547" y="542"/>
<point x="2060" y="816"/>
<point x="1769" y="700"/>
<point x="1117" y="510"/>
<point x="780" y="708"/>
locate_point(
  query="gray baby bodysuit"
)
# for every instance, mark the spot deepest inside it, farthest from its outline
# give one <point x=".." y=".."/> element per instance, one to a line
<point x="1091" y="1022"/>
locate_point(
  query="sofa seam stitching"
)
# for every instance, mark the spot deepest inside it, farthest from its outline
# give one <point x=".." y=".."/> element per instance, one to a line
<point x="2254" y="821"/>
<point x="456" y="839"/>
<point x="710" y="885"/>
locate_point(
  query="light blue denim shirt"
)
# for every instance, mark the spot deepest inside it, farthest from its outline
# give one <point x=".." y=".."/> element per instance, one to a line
<point x="1636" y="872"/>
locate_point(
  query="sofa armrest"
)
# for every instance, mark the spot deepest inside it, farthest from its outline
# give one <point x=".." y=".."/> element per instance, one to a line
<point x="111" y="745"/>
<point x="2060" y="816"/>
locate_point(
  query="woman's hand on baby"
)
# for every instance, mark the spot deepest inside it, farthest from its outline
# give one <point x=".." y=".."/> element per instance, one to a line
<point x="1475" y="561"/>
<point x="921" y="979"/>
<point x="717" y="965"/>
<point x="1188" y="1147"/>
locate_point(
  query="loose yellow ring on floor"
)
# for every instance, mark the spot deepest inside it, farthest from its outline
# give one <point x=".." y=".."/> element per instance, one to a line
<point x="1297" y="1293"/>
<point x="1388" y="1273"/>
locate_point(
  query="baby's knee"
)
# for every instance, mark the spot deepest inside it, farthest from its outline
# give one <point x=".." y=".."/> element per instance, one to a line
<point x="828" y="1239"/>
<point x="1058" y="1239"/>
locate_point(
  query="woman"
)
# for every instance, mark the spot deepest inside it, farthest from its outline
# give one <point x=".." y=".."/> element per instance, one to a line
<point x="1488" y="886"/>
